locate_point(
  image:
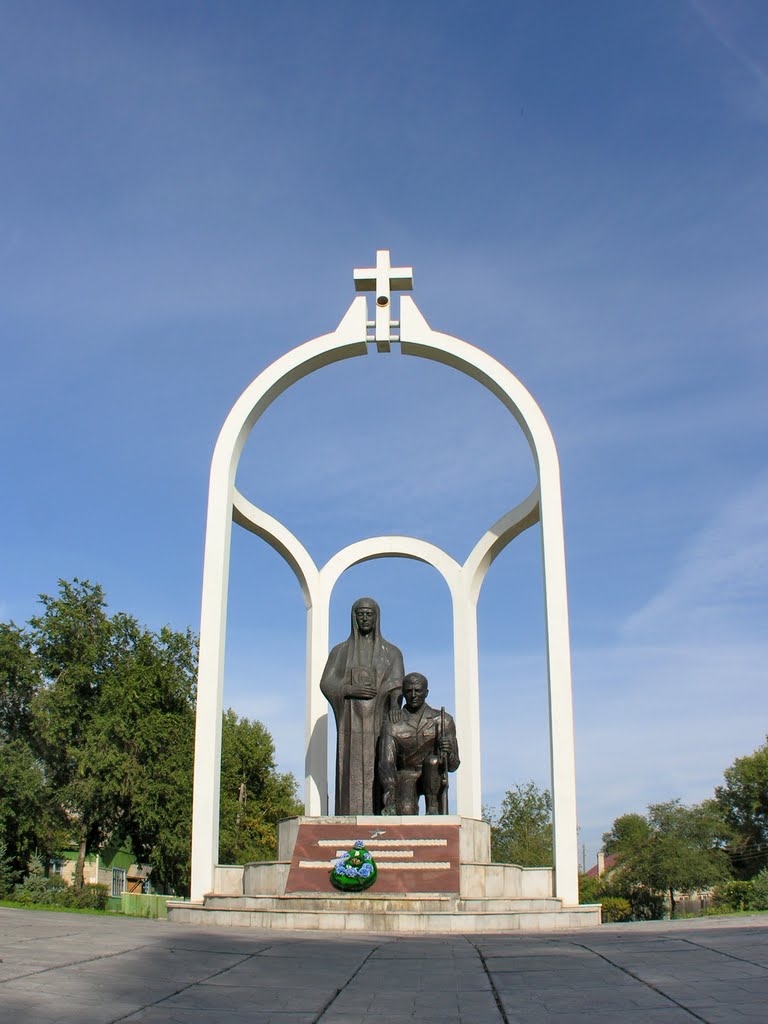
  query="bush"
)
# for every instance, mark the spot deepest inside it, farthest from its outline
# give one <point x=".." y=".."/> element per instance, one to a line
<point x="646" y="904"/>
<point x="8" y="876"/>
<point x="732" y="896"/>
<point x="758" y="899"/>
<point x="616" y="908"/>
<point x="41" y="890"/>
<point x="590" y="889"/>
<point x="54" y="891"/>
<point x="91" y="897"/>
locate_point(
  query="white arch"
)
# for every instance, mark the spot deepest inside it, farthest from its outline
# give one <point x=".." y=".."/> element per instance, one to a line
<point x="226" y="504"/>
<point x="420" y="339"/>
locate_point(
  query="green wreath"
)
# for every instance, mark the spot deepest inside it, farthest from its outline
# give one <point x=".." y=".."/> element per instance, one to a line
<point x="354" y="871"/>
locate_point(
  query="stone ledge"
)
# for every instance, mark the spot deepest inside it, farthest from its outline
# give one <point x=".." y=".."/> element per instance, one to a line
<point x="505" y="881"/>
<point x="395" y="922"/>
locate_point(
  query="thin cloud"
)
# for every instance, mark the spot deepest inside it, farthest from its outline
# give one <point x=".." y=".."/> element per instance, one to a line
<point x="714" y="18"/>
<point x="719" y="587"/>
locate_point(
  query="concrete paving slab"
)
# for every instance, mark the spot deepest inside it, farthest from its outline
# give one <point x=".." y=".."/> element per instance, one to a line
<point x="185" y="1015"/>
<point x="71" y="969"/>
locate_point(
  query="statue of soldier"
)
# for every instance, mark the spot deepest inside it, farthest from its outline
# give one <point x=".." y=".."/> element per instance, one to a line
<point x="361" y="681"/>
<point x="417" y="749"/>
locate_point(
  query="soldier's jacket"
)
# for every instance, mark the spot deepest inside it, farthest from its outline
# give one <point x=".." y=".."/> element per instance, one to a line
<point x="403" y="745"/>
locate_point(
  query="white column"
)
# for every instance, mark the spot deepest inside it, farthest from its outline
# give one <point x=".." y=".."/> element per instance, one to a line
<point x="213" y="625"/>
<point x="469" y="799"/>
<point x="316" y="757"/>
<point x="563" y="758"/>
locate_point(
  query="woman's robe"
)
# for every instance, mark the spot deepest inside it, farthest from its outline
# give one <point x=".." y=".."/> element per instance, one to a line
<point x="359" y="721"/>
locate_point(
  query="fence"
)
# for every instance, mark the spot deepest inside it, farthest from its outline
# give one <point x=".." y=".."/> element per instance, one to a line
<point x="138" y="904"/>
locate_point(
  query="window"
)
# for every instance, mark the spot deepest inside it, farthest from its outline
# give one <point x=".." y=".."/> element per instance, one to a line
<point x="118" y="881"/>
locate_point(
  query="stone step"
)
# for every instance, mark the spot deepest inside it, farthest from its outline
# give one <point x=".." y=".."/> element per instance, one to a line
<point x="382" y="903"/>
<point x="512" y="904"/>
<point x="341" y="903"/>
<point x="398" y="922"/>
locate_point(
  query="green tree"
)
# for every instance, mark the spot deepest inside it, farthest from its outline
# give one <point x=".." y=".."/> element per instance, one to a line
<point x="19" y="682"/>
<point x="628" y="832"/>
<point x="71" y="642"/>
<point x="114" y="724"/>
<point x="758" y="897"/>
<point x="672" y="849"/>
<point x="254" y="795"/>
<point x="8" y="877"/>
<point x="522" y="832"/>
<point x="141" y="744"/>
<point x="30" y="817"/>
<point x="97" y="722"/>
<point x="743" y="801"/>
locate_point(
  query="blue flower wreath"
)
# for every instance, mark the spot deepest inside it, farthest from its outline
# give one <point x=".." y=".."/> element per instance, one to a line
<point x="354" y="871"/>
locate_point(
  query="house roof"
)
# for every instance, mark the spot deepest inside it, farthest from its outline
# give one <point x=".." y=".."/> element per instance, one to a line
<point x="611" y="860"/>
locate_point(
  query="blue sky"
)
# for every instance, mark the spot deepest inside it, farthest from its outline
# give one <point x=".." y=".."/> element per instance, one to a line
<point x="581" y="190"/>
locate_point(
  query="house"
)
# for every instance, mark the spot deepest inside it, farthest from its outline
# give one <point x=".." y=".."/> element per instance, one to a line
<point x="113" y="866"/>
<point x="605" y="864"/>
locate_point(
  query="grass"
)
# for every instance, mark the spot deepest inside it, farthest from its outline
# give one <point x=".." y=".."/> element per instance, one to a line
<point x="13" y="905"/>
<point x="718" y="912"/>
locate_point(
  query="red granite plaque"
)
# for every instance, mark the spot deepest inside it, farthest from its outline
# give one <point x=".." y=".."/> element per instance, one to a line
<point x="410" y="858"/>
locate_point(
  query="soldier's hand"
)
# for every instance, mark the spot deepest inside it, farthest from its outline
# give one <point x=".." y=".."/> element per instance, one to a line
<point x="445" y="747"/>
<point x="395" y="715"/>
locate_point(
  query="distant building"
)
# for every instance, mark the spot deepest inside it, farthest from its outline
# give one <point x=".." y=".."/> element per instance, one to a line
<point x="113" y="866"/>
<point x="605" y="864"/>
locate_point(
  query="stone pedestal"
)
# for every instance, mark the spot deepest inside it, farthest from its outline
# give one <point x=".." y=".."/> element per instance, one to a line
<point x="435" y="876"/>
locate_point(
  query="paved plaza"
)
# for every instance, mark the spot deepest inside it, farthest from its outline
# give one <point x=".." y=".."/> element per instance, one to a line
<point x="76" y="969"/>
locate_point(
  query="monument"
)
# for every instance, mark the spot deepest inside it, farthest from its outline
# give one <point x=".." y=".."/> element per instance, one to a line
<point x="434" y="872"/>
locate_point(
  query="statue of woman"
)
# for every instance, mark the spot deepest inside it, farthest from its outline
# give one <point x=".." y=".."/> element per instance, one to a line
<point x="362" y="682"/>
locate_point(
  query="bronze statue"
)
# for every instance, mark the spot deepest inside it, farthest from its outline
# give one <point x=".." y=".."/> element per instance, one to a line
<point x="362" y="683"/>
<point x="417" y="749"/>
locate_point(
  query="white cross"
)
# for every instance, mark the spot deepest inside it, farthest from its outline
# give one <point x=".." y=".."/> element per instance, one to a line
<point x="382" y="279"/>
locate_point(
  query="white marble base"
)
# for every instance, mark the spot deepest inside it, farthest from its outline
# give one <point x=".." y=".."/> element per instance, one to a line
<point x="492" y="897"/>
